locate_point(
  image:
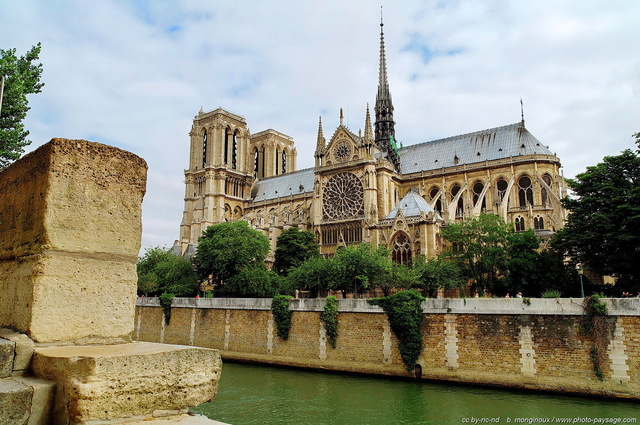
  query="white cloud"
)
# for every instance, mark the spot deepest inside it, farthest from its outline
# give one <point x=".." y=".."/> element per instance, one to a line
<point x="134" y="74"/>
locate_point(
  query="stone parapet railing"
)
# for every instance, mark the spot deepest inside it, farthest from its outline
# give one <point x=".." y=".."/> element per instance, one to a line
<point x="526" y="306"/>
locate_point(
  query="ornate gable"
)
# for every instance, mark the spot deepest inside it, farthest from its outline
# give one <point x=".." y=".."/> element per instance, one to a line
<point x="343" y="146"/>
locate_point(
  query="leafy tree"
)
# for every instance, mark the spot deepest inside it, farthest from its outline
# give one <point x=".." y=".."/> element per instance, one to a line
<point x="225" y="249"/>
<point x="357" y="266"/>
<point x="253" y="281"/>
<point x="396" y="276"/>
<point x="161" y="271"/>
<point x="603" y="227"/>
<point x="293" y="248"/>
<point x="316" y="275"/>
<point x="479" y="246"/>
<point x="523" y="263"/>
<point x="22" y="77"/>
<point x="438" y="272"/>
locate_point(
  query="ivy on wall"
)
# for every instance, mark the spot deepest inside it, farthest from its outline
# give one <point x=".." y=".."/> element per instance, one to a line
<point x="282" y="315"/>
<point x="404" y="310"/>
<point x="330" y="318"/>
<point x="596" y="324"/>
<point x="165" y="303"/>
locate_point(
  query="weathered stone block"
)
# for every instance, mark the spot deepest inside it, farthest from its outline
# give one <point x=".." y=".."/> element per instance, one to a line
<point x="41" y="400"/>
<point x="15" y="402"/>
<point x="114" y="381"/>
<point x="23" y="351"/>
<point x="70" y="215"/>
<point x="7" y="353"/>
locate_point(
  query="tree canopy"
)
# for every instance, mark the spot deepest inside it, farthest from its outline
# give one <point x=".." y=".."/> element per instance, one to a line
<point x="161" y="271"/>
<point x="293" y="248"/>
<point x="226" y="249"/>
<point x="21" y="77"/>
<point x="603" y="227"/>
<point x="479" y="246"/>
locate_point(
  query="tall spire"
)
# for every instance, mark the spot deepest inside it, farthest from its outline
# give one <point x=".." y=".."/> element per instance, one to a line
<point x="321" y="145"/>
<point x="385" y="125"/>
<point x="368" y="131"/>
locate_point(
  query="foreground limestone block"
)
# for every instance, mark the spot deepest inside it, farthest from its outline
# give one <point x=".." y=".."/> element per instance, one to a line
<point x="117" y="381"/>
<point x="70" y="228"/>
<point x="7" y="353"/>
<point x="15" y="402"/>
<point x="41" y="400"/>
<point x="23" y="349"/>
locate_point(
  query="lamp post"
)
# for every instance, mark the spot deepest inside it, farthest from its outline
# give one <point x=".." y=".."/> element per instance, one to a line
<point x="580" y="273"/>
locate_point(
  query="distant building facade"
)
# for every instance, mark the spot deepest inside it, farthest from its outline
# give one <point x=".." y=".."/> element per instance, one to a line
<point x="363" y="187"/>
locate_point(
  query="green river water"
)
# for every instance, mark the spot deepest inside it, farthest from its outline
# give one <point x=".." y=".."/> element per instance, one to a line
<point x="251" y="394"/>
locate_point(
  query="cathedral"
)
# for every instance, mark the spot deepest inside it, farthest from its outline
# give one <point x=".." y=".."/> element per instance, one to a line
<point x="364" y="187"/>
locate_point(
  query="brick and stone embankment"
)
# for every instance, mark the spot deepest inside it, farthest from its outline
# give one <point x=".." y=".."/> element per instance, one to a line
<point x="504" y="342"/>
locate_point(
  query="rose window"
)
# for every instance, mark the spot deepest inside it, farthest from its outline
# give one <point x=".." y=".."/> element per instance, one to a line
<point x="343" y="197"/>
<point x="342" y="151"/>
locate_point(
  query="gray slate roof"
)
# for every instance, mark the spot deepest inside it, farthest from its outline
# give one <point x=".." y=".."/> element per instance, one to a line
<point x="494" y="143"/>
<point x="411" y="205"/>
<point x="283" y="185"/>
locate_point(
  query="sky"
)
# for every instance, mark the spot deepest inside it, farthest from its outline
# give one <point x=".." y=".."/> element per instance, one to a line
<point x="133" y="74"/>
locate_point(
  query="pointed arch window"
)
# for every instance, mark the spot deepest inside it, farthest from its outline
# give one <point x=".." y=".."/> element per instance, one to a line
<point x="519" y="222"/>
<point x="255" y="162"/>
<point x="234" y="151"/>
<point x="262" y="162"/>
<point x="227" y="135"/>
<point x="401" y="253"/>
<point x="432" y="194"/>
<point x="277" y="165"/>
<point x="525" y="191"/>
<point x="544" y="195"/>
<point x="538" y="223"/>
<point x="501" y="188"/>
<point x="204" y="148"/>
<point x="460" y="206"/>
<point x="284" y="161"/>
<point x="478" y="188"/>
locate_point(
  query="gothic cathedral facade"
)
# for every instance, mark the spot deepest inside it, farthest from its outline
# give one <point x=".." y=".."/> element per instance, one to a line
<point x="363" y="187"/>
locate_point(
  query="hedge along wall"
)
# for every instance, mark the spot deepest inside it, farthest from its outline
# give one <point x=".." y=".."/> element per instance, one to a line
<point x="504" y="342"/>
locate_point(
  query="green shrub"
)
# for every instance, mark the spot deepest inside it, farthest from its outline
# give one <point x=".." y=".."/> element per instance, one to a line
<point x="551" y="293"/>
<point x="330" y="318"/>
<point x="282" y="315"/>
<point x="596" y="324"/>
<point x="165" y="303"/>
<point x="404" y="310"/>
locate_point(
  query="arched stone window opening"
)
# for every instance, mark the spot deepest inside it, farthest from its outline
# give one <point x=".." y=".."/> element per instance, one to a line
<point x="525" y="191"/>
<point x="284" y="161"/>
<point x="227" y="136"/>
<point x="227" y="212"/>
<point x="501" y="189"/>
<point x="478" y="187"/>
<point x="519" y="222"/>
<point x="204" y="148"/>
<point x="544" y="195"/>
<point x="538" y="223"/>
<point x="277" y="164"/>
<point x="460" y="206"/>
<point x="262" y="162"/>
<point x="234" y="152"/>
<point x="255" y="163"/>
<point x="432" y="194"/>
<point x="401" y="253"/>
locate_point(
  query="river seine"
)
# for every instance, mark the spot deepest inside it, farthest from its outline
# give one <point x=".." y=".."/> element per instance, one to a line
<point x="250" y="394"/>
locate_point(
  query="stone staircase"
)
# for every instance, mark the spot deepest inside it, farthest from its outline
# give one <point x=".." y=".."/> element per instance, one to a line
<point x="24" y="400"/>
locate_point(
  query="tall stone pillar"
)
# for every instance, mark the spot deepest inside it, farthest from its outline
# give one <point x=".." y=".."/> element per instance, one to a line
<point x="70" y="229"/>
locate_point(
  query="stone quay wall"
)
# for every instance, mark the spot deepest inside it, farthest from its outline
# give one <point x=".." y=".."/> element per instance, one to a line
<point x="501" y="342"/>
